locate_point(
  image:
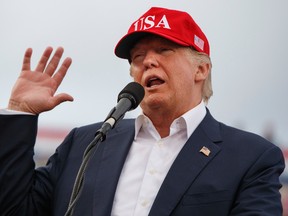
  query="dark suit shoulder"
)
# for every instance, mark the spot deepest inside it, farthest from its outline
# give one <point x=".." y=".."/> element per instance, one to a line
<point x="87" y="132"/>
<point x="222" y="133"/>
<point x="236" y="143"/>
<point x="244" y="138"/>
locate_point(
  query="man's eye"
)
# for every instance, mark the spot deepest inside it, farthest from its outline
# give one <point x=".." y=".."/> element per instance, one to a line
<point x="137" y="57"/>
<point x="164" y="49"/>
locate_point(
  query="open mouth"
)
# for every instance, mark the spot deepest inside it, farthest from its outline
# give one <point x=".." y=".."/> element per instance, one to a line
<point x="154" y="81"/>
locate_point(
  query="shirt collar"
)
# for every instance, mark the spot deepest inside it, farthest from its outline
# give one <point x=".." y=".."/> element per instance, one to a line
<point x="189" y="120"/>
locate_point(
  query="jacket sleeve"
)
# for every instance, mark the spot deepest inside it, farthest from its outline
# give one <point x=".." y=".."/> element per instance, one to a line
<point x="17" y="139"/>
<point x="259" y="192"/>
<point x="24" y="190"/>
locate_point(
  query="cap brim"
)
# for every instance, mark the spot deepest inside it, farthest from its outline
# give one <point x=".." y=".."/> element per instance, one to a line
<point x="122" y="49"/>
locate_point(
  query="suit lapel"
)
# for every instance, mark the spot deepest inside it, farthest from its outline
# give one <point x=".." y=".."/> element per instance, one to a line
<point x="187" y="166"/>
<point x="115" y="150"/>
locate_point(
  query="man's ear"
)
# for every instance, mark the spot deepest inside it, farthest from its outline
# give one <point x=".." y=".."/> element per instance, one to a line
<point x="202" y="72"/>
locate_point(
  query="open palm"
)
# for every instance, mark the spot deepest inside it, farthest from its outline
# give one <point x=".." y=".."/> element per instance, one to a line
<point x="34" y="91"/>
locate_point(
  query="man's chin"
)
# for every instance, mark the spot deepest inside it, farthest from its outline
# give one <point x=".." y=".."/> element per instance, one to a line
<point x="154" y="102"/>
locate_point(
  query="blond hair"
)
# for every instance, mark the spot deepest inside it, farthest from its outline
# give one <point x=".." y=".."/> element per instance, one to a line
<point x="207" y="90"/>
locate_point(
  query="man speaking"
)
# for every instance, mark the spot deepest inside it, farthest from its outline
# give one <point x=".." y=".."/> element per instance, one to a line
<point x="173" y="159"/>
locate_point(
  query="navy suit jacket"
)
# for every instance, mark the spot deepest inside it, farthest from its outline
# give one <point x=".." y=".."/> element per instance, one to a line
<point x="239" y="177"/>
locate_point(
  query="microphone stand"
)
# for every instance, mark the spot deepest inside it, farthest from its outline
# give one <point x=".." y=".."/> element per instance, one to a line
<point x="89" y="151"/>
<point x="129" y="98"/>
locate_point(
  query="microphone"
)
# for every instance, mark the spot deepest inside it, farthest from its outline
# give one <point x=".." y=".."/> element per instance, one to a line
<point x="128" y="99"/>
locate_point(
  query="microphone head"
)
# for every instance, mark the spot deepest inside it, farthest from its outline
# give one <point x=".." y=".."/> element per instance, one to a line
<point x="134" y="92"/>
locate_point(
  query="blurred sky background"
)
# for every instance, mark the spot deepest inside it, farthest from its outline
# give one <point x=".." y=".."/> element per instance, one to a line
<point x="248" y="41"/>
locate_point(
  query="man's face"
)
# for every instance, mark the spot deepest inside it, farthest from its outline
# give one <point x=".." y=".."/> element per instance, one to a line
<point x="167" y="73"/>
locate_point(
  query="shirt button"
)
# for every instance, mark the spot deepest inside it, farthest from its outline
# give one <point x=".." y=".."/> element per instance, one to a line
<point x="160" y="143"/>
<point x="144" y="203"/>
<point x="152" y="171"/>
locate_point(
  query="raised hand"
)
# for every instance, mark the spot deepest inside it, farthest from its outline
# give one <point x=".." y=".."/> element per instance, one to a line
<point x="34" y="91"/>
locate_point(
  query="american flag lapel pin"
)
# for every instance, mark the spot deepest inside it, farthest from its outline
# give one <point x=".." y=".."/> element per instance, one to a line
<point x="204" y="150"/>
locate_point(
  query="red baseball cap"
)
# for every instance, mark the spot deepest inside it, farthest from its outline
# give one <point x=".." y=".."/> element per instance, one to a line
<point x="174" y="25"/>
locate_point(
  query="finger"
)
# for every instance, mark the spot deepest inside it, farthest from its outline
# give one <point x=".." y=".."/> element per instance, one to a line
<point x="53" y="64"/>
<point x="59" y="76"/>
<point x="44" y="59"/>
<point x="27" y="60"/>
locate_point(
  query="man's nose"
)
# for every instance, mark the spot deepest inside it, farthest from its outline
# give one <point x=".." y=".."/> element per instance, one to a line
<point x="150" y="60"/>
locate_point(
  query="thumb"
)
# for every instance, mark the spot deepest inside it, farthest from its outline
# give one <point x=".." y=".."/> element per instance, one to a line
<point x="62" y="97"/>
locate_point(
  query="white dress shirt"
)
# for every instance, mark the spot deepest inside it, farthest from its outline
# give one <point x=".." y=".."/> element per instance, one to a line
<point x="149" y="160"/>
<point x="13" y="112"/>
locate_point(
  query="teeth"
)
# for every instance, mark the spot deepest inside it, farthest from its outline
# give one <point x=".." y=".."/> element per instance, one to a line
<point x="150" y="81"/>
<point x="154" y="81"/>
